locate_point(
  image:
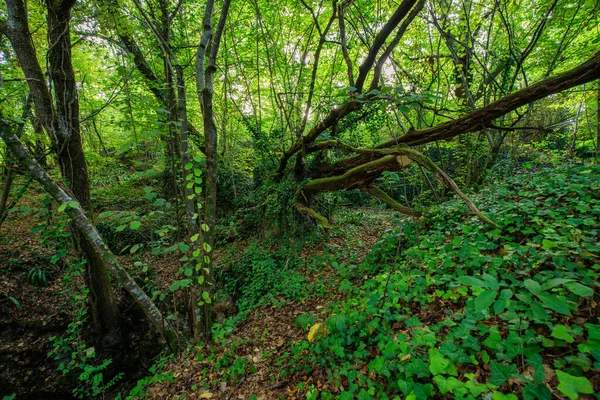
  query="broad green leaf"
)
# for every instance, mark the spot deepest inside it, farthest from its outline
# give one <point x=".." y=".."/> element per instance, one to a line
<point x="536" y="392"/>
<point x="499" y="306"/>
<point x="533" y="286"/>
<point x="135" y="225"/>
<point x="562" y="332"/>
<point x="548" y="244"/>
<point x="571" y="386"/>
<point x="491" y="281"/>
<point x="501" y="396"/>
<point x="437" y="362"/>
<point x="206" y="297"/>
<point x="494" y="341"/>
<point x="183" y="247"/>
<point x="185" y="282"/>
<point x="554" y="303"/>
<point x="106" y="214"/>
<point x="579" y="289"/>
<point x="555" y="282"/>
<point x="501" y="372"/>
<point x="471" y="281"/>
<point x="485" y="299"/>
<point x="539" y="312"/>
<point x="62" y="207"/>
<point x="446" y="385"/>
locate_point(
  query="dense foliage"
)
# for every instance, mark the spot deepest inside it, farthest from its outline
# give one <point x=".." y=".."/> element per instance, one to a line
<point x="346" y="199"/>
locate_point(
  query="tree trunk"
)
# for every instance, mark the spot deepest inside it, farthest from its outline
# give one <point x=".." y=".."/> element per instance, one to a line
<point x="61" y="122"/>
<point x="73" y="165"/>
<point x="87" y="231"/>
<point x="598" y="123"/>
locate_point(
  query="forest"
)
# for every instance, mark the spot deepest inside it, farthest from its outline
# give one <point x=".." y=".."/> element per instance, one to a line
<point x="300" y="199"/>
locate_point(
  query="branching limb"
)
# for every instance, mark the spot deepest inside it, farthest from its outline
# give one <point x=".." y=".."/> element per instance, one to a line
<point x="322" y="222"/>
<point x="380" y="194"/>
<point x="446" y="181"/>
<point x="482" y="117"/>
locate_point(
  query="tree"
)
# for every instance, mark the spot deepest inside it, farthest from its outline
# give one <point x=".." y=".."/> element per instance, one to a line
<point x="60" y="120"/>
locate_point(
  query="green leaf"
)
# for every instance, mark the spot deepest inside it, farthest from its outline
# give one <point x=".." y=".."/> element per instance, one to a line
<point x="554" y="303"/>
<point x="501" y="396"/>
<point x="471" y="281"/>
<point x="89" y="351"/>
<point x="183" y="247"/>
<point x="485" y="299"/>
<point x="555" y="282"/>
<point x="533" y="286"/>
<point x="185" y="282"/>
<point x="206" y="297"/>
<point x="62" y="207"/>
<point x="501" y="372"/>
<point x="195" y="237"/>
<point x="539" y="312"/>
<point x="491" y="281"/>
<point x="579" y="289"/>
<point x="499" y="306"/>
<point x="207" y="247"/>
<point x="135" y="225"/>
<point x="571" y="386"/>
<point x="494" y="341"/>
<point x="536" y="392"/>
<point x="446" y="385"/>
<point x="548" y="244"/>
<point x="437" y="362"/>
<point x="562" y="332"/>
<point x="106" y="214"/>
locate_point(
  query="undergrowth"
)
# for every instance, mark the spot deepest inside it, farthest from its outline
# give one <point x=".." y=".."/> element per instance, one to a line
<point x="449" y="308"/>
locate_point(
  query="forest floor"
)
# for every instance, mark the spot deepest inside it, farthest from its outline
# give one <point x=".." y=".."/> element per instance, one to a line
<point x="29" y="314"/>
<point x="266" y="334"/>
<point x="381" y="306"/>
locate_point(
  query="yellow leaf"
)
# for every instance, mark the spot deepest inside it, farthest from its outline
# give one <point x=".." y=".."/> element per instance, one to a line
<point x="314" y="330"/>
<point x="206" y="395"/>
<point x="406" y="357"/>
